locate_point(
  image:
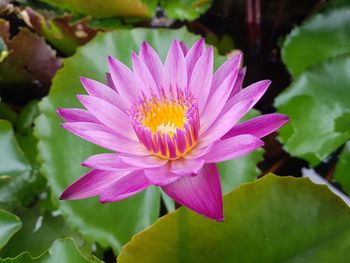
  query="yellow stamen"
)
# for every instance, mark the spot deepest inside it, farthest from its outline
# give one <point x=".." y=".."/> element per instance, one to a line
<point x="164" y="116"/>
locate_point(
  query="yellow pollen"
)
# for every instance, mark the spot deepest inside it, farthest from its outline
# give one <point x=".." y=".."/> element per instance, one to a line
<point x="164" y="116"/>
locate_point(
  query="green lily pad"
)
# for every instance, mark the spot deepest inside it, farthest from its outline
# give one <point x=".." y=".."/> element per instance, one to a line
<point x="323" y="36"/>
<point x="274" y="219"/>
<point x="318" y="104"/>
<point x="13" y="161"/>
<point x="39" y="230"/>
<point x="62" y="250"/>
<point x="243" y="169"/>
<point x="60" y="31"/>
<point x="24" y="131"/>
<point x="62" y="152"/>
<point x="6" y="113"/>
<point x="19" y="182"/>
<point x="108" y="8"/>
<point x="185" y="9"/>
<point x="342" y="171"/>
<point x="9" y="225"/>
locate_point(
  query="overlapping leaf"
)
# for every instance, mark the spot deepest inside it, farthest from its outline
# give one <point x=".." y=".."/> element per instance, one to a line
<point x="9" y="225"/>
<point x="39" y="230"/>
<point x="318" y="104"/>
<point x="275" y="219"/>
<point x="342" y="172"/>
<point x="321" y="37"/>
<point x="62" y="250"/>
<point x="18" y="181"/>
<point x="108" y="8"/>
<point x="185" y="9"/>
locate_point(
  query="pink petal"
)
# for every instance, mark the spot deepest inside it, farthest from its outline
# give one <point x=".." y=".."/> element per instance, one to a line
<point x="104" y="137"/>
<point x="117" y="161"/>
<point x="175" y="67"/>
<point x="183" y="47"/>
<point x="187" y="166"/>
<point x="91" y="184"/>
<point x="201" y="149"/>
<point x="161" y="175"/>
<point x="217" y="101"/>
<point x="109" y="115"/>
<point x="232" y="148"/>
<point x="259" y="126"/>
<point x="115" y="142"/>
<point x="239" y="82"/>
<point x="125" y="187"/>
<point x="201" y="193"/>
<point x="225" y="69"/>
<point x="152" y="61"/>
<point x="143" y="161"/>
<point x="201" y="77"/>
<point x="76" y="115"/>
<point x="253" y="92"/>
<point x="104" y="161"/>
<point x="225" y="122"/>
<point x="193" y="55"/>
<point x="142" y="72"/>
<point x="110" y="82"/>
<point x="124" y="80"/>
<point x="99" y="90"/>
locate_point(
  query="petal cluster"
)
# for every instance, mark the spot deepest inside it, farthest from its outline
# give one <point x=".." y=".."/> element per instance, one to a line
<point x="167" y="125"/>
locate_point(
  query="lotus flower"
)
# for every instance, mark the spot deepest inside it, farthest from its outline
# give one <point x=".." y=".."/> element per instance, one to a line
<point x="167" y="125"/>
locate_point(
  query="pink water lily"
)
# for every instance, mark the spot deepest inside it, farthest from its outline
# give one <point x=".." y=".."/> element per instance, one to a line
<point x="167" y="125"/>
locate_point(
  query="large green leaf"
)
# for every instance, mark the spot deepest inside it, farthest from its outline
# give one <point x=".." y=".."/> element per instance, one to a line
<point x="61" y="152"/>
<point x="39" y="230"/>
<point x="185" y="9"/>
<point x="342" y="171"/>
<point x="6" y="113"/>
<point x="275" y="219"/>
<point x="323" y="36"/>
<point x="13" y="161"/>
<point x="24" y="131"/>
<point x="241" y="170"/>
<point x="62" y="250"/>
<point x="9" y="225"/>
<point x="108" y="8"/>
<point x="318" y="104"/>
<point x="18" y="181"/>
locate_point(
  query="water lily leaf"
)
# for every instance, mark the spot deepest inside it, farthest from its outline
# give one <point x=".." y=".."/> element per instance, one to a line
<point x="13" y="161"/>
<point x="108" y="8"/>
<point x="59" y="31"/>
<point x="342" y="171"/>
<point x="185" y="9"/>
<point x="18" y="181"/>
<point x="277" y="219"/>
<point x="243" y="169"/>
<point x="168" y="202"/>
<point x="62" y="250"/>
<point x="24" y="130"/>
<point x="318" y="104"/>
<point x="28" y="67"/>
<point x="61" y="152"/>
<point x="6" y="113"/>
<point x="9" y="225"/>
<point x="321" y="37"/>
<point x="39" y="230"/>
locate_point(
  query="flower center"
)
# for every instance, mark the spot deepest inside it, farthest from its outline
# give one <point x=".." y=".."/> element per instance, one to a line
<point x="167" y="126"/>
<point x="164" y="116"/>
